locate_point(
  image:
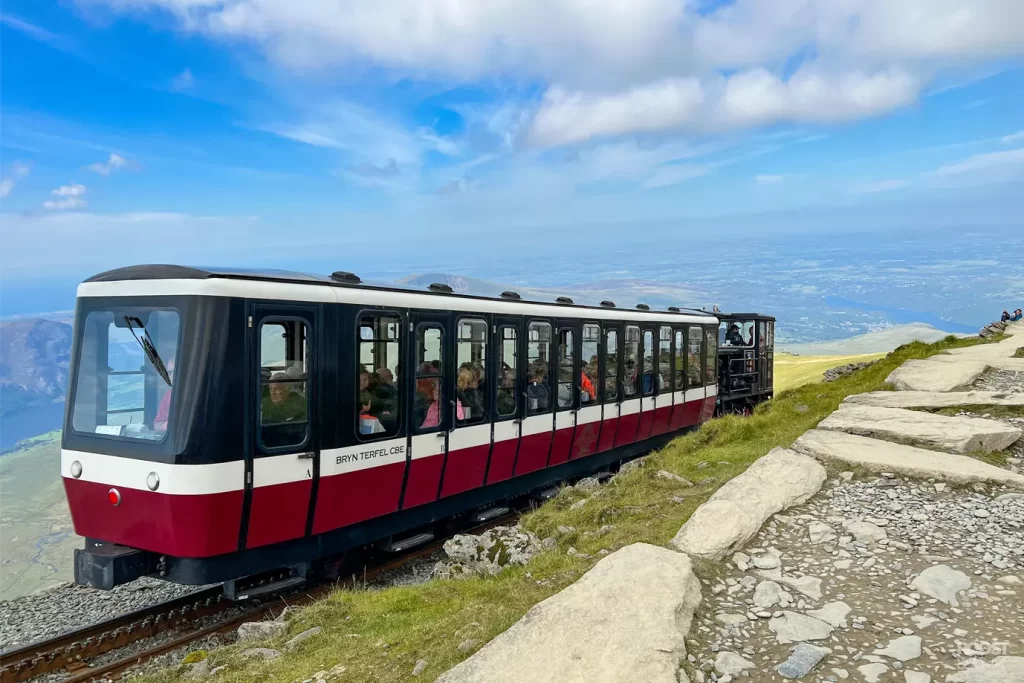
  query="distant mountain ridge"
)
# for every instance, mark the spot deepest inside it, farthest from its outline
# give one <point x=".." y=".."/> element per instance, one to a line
<point x="34" y="359"/>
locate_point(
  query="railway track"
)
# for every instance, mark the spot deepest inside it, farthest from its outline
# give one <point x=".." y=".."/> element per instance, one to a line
<point x="75" y="651"/>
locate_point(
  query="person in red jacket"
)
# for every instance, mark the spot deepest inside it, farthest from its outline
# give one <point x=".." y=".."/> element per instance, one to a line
<point x="163" y="411"/>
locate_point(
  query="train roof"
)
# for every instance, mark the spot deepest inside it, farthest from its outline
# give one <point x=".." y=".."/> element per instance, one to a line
<point x="168" y="279"/>
<point x="744" y="316"/>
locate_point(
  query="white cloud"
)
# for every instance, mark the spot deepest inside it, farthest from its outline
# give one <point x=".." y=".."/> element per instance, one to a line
<point x="881" y="186"/>
<point x="70" y="198"/>
<point x="114" y="162"/>
<point x="565" y="118"/>
<point x="1012" y="160"/>
<point x="31" y="30"/>
<point x="1012" y="138"/>
<point x="183" y="81"/>
<point x="750" y="98"/>
<point x="19" y="169"/>
<point x="767" y="179"/>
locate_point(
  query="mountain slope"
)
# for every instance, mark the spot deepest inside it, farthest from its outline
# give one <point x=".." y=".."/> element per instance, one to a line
<point x="34" y="359"/>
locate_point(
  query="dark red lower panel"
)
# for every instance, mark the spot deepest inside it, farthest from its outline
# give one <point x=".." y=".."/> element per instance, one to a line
<point x="678" y="417"/>
<point x="608" y="429"/>
<point x="560" y="446"/>
<point x="503" y="457"/>
<point x="356" y="496"/>
<point x="176" y="525"/>
<point x="643" y="429"/>
<point x="626" y="432"/>
<point x="278" y="513"/>
<point x="586" y="440"/>
<point x="691" y="413"/>
<point x="662" y="417"/>
<point x="424" y="476"/>
<point x="533" y="452"/>
<point x="708" y="409"/>
<point x="465" y="469"/>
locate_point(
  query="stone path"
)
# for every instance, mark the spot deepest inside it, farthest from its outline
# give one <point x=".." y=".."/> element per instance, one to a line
<point x="876" y="580"/>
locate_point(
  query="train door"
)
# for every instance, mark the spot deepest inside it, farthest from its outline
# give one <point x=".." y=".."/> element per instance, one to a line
<point x="648" y="383"/>
<point x="610" y="392"/>
<point x="678" y="419"/>
<point x="567" y="386"/>
<point x="541" y="373"/>
<point x="663" y="375"/>
<point x="506" y="392"/>
<point x="588" y="416"/>
<point x="469" y="442"/>
<point x="768" y="364"/>
<point x="630" y="395"/>
<point x="430" y="408"/>
<point x="283" y="454"/>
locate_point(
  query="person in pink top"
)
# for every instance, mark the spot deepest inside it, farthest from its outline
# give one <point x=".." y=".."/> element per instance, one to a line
<point x="433" y="416"/>
<point x="163" y="411"/>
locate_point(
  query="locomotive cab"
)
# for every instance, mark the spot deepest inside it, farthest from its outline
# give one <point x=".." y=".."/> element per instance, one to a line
<point x="746" y="348"/>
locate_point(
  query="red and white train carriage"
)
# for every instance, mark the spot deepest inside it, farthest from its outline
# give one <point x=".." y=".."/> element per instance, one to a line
<point x="224" y="423"/>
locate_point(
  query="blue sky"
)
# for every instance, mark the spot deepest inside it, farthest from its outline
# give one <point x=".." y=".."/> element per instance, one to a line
<point x="249" y="131"/>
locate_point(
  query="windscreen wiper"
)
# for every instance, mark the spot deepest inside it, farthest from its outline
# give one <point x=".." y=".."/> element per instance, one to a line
<point x="148" y="347"/>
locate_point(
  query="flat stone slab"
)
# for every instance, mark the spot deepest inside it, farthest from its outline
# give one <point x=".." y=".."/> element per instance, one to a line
<point x="999" y="670"/>
<point x="931" y="375"/>
<point x="621" y="622"/>
<point x="736" y="511"/>
<point x="883" y="456"/>
<point x="934" y="399"/>
<point x="1007" y="364"/>
<point x="915" y="428"/>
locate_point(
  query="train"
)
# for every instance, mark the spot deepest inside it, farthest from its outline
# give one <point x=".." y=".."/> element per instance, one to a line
<point x="224" y="424"/>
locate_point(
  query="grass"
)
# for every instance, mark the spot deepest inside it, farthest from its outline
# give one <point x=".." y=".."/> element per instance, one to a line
<point x="978" y="410"/>
<point x="795" y="371"/>
<point x="379" y="635"/>
<point x="1019" y="353"/>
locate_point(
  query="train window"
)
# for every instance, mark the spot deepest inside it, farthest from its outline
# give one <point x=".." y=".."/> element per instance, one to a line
<point x="679" y="368"/>
<point x="771" y="335"/>
<point x="378" y="407"/>
<point x="124" y="353"/>
<point x="631" y="360"/>
<point x="664" y="357"/>
<point x="588" y="377"/>
<point x="712" y="350"/>
<point x="738" y="333"/>
<point x="283" y="385"/>
<point x="611" y="366"/>
<point x="538" y="355"/>
<point x="566" y="380"/>
<point x="761" y="334"/>
<point x="471" y="354"/>
<point x="648" y="381"/>
<point x="694" y="370"/>
<point x="429" y="404"/>
<point x="508" y="396"/>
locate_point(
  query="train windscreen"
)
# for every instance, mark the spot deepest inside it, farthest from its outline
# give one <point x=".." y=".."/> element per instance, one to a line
<point x="125" y="372"/>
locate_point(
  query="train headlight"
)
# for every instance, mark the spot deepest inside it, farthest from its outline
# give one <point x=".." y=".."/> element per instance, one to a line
<point x="114" y="496"/>
<point x="153" y="481"/>
<point x="76" y="469"/>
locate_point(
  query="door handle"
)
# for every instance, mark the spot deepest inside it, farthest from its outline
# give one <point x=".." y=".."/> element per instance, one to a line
<point x="441" y="435"/>
<point x="306" y="456"/>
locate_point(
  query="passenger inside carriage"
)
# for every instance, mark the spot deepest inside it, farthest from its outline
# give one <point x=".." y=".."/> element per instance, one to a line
<point x="368" y="424"/>
<point x="283" y="404"/>
<point x="733" y="336"/>
<point x="537" y="392"/>
<point x="432" y="388"/>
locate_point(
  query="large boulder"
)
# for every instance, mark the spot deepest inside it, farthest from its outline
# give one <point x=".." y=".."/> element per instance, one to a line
<point x="936" y="375"/>
<point x="487" y="553"/>
<point x="883" y="456"/>
<point x="736" y="511"/>
<point x="621" y="622"/>
<point x="915" y="428"/>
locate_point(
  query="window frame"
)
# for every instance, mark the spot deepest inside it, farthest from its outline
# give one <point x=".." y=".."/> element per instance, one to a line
<point x="643" y="361"/>
<point x="574" y="380"/>
<point x="657" y="360"/>
<point x="399" y="384"/>
<point x="700" y="355"/>
<point x="680" y="356"/>
<point x="486" y="414"/>
<point x="603" y="359"/>
<point x="530" y="322"/>
<point x="499" y="342"/>
<point x="442" y="399"/>
<point x="310" y="354"/>
<point x="710" y="364"/>
<point x="584" y="324"/>
<point x="638" y="383"/>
